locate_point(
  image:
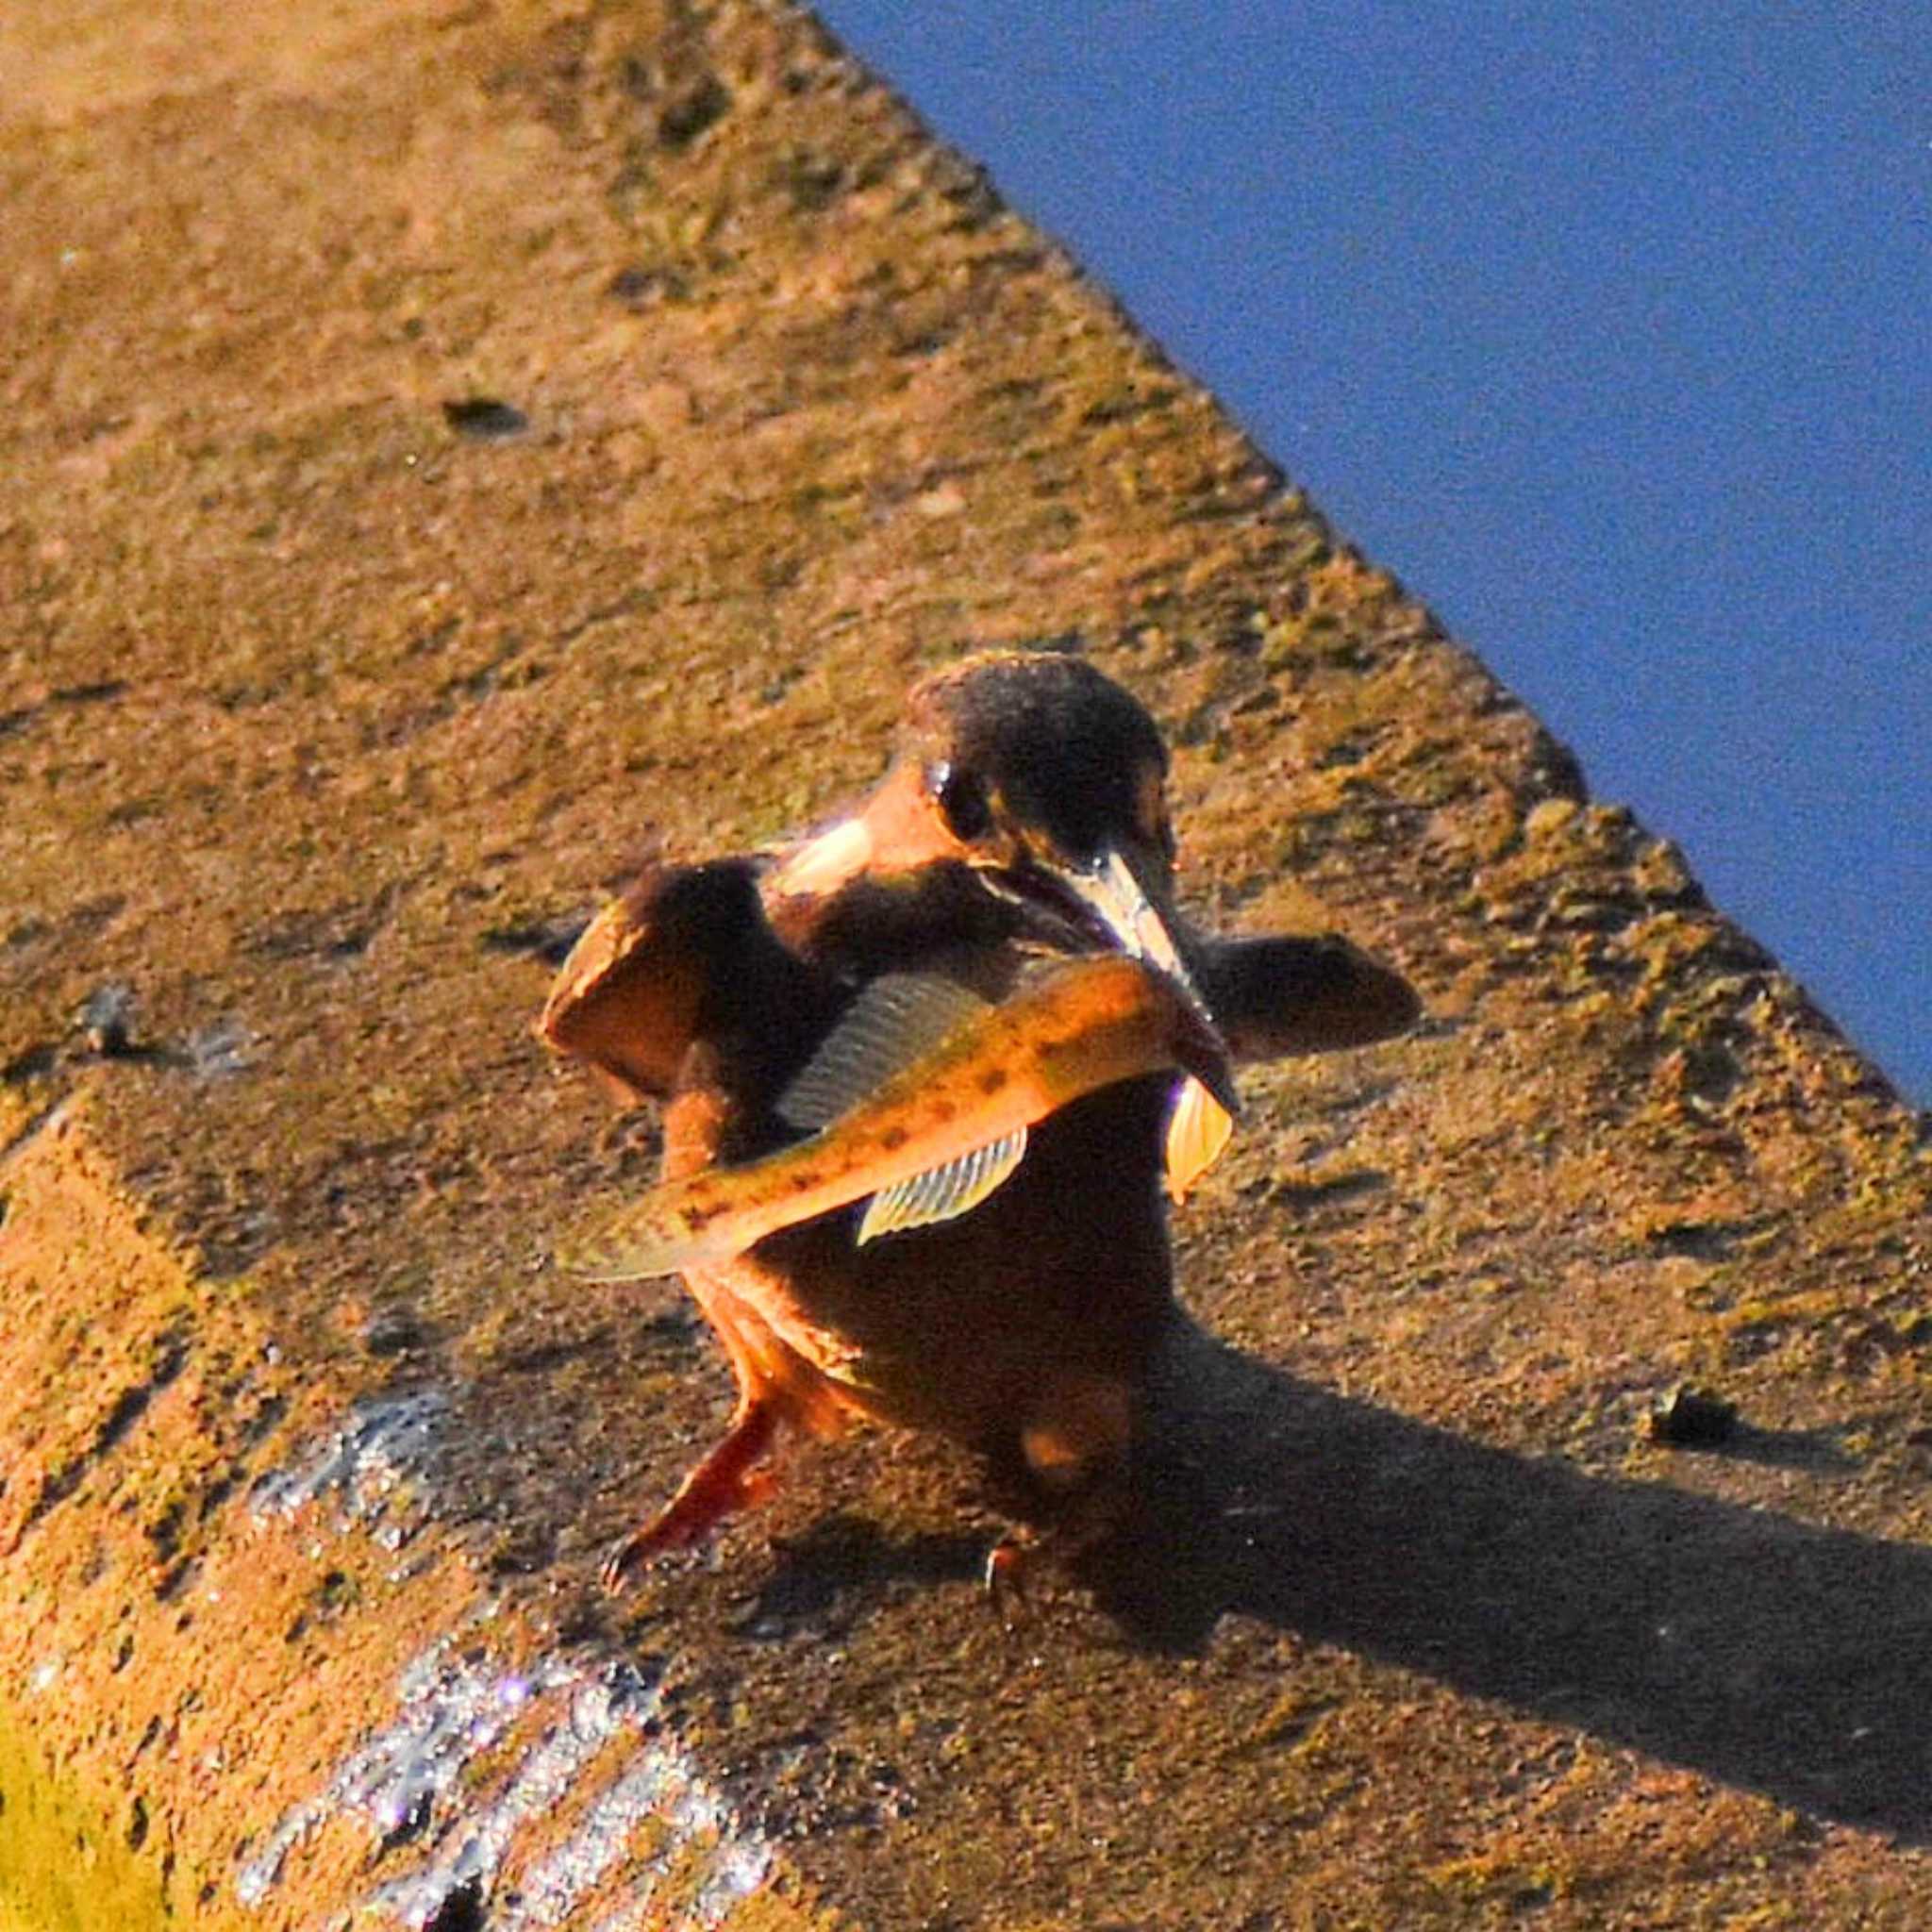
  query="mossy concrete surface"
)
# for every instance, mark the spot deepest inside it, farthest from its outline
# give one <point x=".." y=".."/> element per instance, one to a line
<point x="448" y="447"/>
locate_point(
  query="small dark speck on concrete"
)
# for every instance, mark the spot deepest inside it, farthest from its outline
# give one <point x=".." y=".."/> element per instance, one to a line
<point x="695" y="110"/>
<point x="485" y="418"/>
<point x="637" y="287"/>
<point x="461" y="1910"/>
<point x="549" y="939"/>
<point x="1689" y="1418"/>
<point x="99" y="693"/>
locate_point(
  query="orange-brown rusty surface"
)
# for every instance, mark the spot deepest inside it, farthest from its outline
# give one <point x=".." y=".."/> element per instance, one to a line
<point x="325" y="711"/>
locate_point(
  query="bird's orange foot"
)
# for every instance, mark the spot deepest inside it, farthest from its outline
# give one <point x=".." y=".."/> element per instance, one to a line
<point x="729" y="1479"/>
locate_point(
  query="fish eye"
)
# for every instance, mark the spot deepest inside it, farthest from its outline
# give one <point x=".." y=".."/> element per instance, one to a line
<point x="963" y="801"/>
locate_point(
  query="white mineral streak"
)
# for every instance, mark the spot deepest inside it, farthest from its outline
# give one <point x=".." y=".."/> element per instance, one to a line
<point x="573" y="1736"/>
<point x="371" y="1468"/>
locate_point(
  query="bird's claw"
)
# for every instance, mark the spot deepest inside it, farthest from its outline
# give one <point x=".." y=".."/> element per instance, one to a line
<point x="728" y="1479"/>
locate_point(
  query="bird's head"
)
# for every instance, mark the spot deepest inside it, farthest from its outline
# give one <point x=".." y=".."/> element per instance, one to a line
<point x="1045" y="780"/>
<point x="1050" y="782"/>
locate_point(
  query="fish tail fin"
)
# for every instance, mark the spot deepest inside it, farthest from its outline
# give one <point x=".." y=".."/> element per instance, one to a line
<point x="654" y="1235"/>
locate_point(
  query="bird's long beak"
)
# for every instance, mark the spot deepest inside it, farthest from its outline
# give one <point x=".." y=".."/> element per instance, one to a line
<point x="1112" y="891"/>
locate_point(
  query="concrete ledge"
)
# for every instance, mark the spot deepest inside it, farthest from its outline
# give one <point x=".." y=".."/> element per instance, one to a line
<point x="447" y="447"/>
<point x="251" y="1662"/>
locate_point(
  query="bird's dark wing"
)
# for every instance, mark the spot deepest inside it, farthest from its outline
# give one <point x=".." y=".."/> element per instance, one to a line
<point x="1283" y="995"/>
<point x="684" y="955"/>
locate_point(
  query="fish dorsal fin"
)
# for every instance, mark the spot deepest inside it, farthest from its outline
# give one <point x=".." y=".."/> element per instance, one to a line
<point x="1197" y="1130"/>
<point x="943" y="1194"/>
<point x="895" y="1020"/>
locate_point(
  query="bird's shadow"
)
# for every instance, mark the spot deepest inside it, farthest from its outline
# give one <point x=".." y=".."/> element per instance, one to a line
<point x="831" y="1576"/>
<point x="1762" y="1651"/>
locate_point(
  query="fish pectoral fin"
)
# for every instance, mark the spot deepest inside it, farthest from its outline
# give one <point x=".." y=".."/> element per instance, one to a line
<point x="895" y="1021"/>
<point x="1197" y="1130"/>
<point x="943" y="1194"/>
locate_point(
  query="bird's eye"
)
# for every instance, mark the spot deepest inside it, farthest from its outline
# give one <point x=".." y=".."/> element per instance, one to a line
<point x="963" y="801"/>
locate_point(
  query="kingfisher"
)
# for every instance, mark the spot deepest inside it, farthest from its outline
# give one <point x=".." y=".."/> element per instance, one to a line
<point x="1023" y="819"/>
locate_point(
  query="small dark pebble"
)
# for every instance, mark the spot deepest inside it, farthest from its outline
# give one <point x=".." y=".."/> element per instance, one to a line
<point x="1689" y="1418"/>
<point x="391" y="1331"/>
<point x="485" y="418"/>
<point x="107" y="1021"/>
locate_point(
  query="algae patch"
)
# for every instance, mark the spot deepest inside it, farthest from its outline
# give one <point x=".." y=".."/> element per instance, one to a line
<point x="64" y="1867"/>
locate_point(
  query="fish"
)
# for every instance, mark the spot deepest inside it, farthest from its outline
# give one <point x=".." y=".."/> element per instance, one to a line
<point x="921" y="1097"/>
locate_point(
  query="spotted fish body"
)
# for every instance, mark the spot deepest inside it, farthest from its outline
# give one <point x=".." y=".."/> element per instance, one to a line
<point x="921" y="1098"/>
